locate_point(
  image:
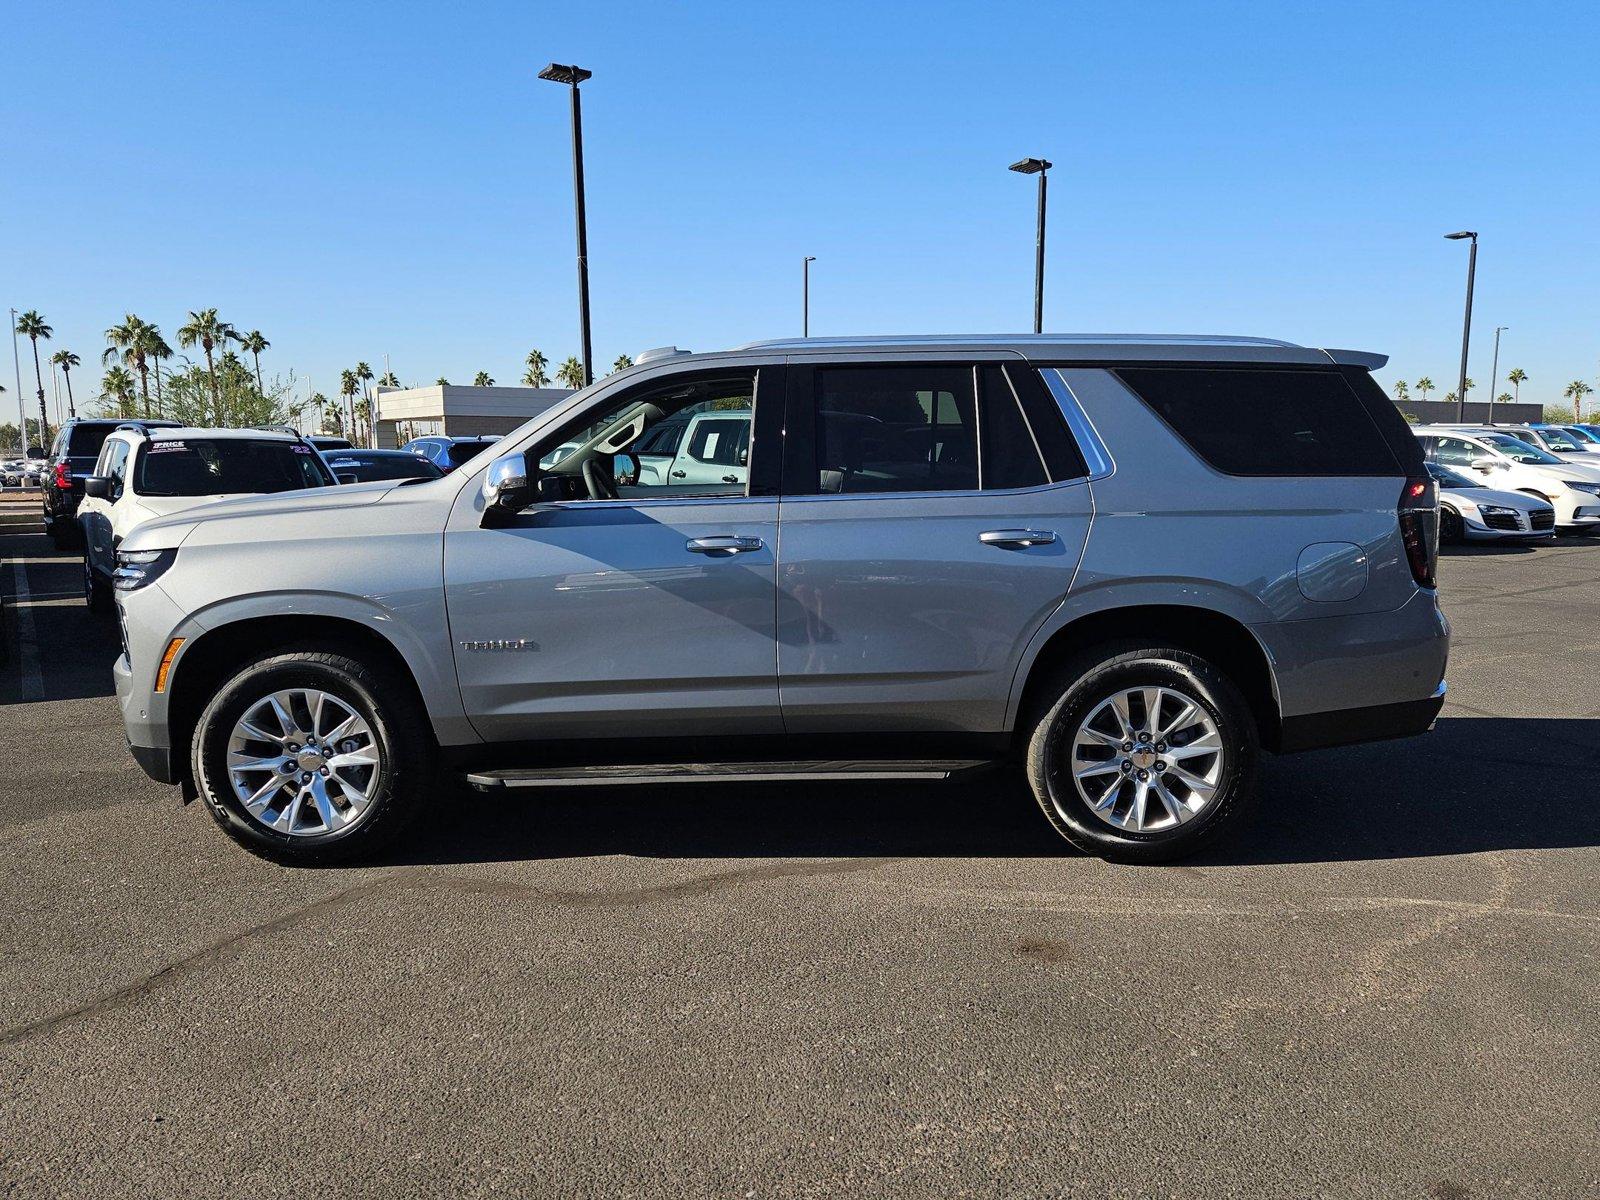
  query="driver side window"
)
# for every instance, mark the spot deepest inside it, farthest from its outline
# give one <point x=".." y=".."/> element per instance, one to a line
<point x="1456" y="453"/>
<point x="690" y="437"/>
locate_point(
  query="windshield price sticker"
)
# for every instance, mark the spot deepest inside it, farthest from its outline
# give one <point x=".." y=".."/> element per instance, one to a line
<point x="164" y="447"/>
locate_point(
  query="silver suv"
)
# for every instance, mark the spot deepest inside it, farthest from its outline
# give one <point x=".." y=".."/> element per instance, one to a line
<point x="1128" y="564"/>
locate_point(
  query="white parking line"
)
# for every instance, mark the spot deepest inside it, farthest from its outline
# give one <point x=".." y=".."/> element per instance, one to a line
<point x="27" y="637"/>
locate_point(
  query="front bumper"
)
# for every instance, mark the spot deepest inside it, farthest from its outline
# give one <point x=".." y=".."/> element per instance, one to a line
<point x="155" y="761"/>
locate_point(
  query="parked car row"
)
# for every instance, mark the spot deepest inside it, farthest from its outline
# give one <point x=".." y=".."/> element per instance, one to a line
<point x="21" y="472"/>
<point x="1513" y="482"/>
<point x="1057" y="552"/>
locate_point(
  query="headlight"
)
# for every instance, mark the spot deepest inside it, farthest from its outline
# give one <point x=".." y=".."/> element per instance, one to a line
<point x="1496" y="510"/>
<point x="1592" y="488"/>
<point x="135" y="568"/>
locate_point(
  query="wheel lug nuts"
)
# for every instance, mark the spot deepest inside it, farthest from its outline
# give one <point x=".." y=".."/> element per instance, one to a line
<point x="1127" y="765"/>
<point x="323" y="771"/>
<point x="306" y="778"/>
<point x="1126" y="747"/>
<point x="288" y="768"/>
<point x="1144" y="776"/>
<point x="1161" y="747"/>
<point x="1160" y="766"/>
<point x="294" y="747"/>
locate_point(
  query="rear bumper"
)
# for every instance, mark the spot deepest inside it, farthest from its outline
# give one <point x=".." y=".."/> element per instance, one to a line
<point x="1349" y="726"/>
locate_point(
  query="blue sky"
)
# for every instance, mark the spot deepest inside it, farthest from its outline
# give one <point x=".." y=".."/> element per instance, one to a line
<point x="358" y="180"/>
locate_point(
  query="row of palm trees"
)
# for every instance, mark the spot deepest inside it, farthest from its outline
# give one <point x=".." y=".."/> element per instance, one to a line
<point x="1516" y="377"/>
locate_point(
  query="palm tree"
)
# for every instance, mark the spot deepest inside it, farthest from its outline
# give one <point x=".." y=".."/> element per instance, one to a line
<point x="390" y="379"/>
<point x="1469" y="385"/>
<point x="206" y="329"/>
<point x="1402" y="390"/>
<point x="622" y="363"/>
<point x="442" y="381"/>
<point x="481" y="379"/>
<point x="364" y="374"/>
<point x="32" y="324"/>
<point x="1576" y="391"/>
<point x="66" y="360"/>
<point x="1449" y="397"/>
<point x="349" y="385"/>
<point x="1503" y="398"/>
<point x="255" y="343"/>
<point x="1516" y="379"/>
<point x="131" y="342"/>
<point x="536" y="375"/>
<point x="568" y="374"/>
<point x="157" y="351"/>
<point x="1425" y="385"/>
<point x="118" y="384"/>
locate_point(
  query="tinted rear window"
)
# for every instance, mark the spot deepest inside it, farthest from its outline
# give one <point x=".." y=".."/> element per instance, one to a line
<point x="86" y="440"/>
<point x="458" y="453"/>
<point x="1266" y="421"/>
<point x="367" y="467"/>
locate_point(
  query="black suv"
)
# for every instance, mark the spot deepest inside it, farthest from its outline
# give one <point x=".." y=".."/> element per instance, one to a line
<point x="71" y="460"/>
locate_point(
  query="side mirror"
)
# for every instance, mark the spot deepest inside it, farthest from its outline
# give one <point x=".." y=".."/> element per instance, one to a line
<point x="625" y="467"/>
<point x="98" y="486"/>
<point x="347" y="477"/>
<point x="1484" y="465"/>
<point x="507" y="488"/>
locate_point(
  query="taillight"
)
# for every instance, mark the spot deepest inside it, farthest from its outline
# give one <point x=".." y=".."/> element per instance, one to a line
<point x="63" y="476"/>
<point x="1418" y="511"/>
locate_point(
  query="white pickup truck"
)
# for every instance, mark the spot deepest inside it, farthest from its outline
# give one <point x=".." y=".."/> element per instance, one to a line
<point x="708" y="448"/>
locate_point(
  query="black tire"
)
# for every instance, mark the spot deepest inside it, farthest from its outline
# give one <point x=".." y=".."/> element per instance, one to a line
<point x="1451" y="528"/>
<point x="96" y="593"/>
<point x="62" y="535"/>
<point x="1079" y="688"/>
<point x="374" y="691"/>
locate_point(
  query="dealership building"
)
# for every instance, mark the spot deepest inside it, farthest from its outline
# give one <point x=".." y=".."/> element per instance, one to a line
<point x="406" y="413"/>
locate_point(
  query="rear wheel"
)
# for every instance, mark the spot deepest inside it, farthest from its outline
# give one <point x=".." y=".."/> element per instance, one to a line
<point x="312" y="756"/>
<point x="1142" y="753"/>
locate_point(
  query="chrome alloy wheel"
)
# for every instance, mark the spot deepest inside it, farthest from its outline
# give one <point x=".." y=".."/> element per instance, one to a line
<point x="1147" y="759"/>
<point x="303" y="762"/>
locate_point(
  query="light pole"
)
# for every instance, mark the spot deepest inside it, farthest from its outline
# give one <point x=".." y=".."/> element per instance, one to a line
<point x="1466" y="324"/>
<point x="1494" y="370"/>
<point x="805" y="294"/>
<point x="557" y="73"/>
<point x="1037" y="166"/>
<point x="16" y="367"/>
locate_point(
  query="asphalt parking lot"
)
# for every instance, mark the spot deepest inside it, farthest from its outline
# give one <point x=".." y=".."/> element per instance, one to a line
<point x="1388" y="984"/>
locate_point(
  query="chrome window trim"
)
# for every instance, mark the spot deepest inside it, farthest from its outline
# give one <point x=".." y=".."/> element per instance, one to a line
<point x="1096" y="456"/>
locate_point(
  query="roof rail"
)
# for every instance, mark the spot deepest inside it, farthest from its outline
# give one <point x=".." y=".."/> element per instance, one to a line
<point x="278" y="429"/>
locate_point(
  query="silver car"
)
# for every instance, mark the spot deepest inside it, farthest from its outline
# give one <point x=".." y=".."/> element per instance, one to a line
<point x="1127" y="565"/>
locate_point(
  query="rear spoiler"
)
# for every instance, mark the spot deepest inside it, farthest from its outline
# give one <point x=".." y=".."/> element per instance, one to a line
<point x="1357" y="358"/>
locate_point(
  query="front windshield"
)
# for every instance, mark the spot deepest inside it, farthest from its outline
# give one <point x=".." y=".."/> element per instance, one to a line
<point x="1559" y="439"/>
<point x="227" y="466"/>
<point x="1449" y="478"/>
<point x="1519" y="451"/>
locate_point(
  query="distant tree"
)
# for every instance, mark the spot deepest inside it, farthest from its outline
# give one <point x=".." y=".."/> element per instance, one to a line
<point x="349" y="385"/>
<point x="1449" y="397"/>
<point x="568" y="374"/>
<point x="390" y="379"/>
<point x="255" y="343"/>
<point x="116" y="393"/>
<point x="33" y="325"/>
<point x="1424" y="386"/>
<point x="1503" y="398"/>
<point x="131" y="342"/>
<point x="536" y="375"/>
<point x="207" y="330"/>
<point x="1470" y="385"/>
<point x="481" y="379"/>
<point x="1576" y="391"/>
<point x="1402" y="390"/>
<point x="66" y="360"/>
<point x="442" y="382"/>
<point x="1516" y="379"/>
<point x="623" y="363"/>
<point x="157" y="351"/>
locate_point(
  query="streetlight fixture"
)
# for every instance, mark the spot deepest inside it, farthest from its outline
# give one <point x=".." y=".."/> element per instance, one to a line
<point x="1494" y="371"/>
<point x="1466" y="324"/>
<point x="573" y="76"/>
<point x="805" y="294"/>
<point x="1037" y="166"/>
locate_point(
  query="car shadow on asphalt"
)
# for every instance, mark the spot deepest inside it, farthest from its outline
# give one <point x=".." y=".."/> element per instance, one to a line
<point x="74" y="648"/>
<point x="1472" y="785"/>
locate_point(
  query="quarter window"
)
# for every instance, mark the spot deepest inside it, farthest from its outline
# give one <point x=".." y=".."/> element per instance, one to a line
<point x="1010" y="455"/>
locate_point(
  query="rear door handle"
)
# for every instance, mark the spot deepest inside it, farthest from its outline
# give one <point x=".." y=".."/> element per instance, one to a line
<point x="1017" y="537"/>
<point x="724" y="544"/>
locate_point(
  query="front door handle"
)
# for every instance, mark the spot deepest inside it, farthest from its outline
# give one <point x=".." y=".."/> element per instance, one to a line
<point x="724" y="544"/>
<point x="1017" y="537"/>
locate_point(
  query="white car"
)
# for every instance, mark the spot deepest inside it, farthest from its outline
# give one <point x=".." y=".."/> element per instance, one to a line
<point x="1470" y="512"/>
<point x="1552" y="439"/>
<point x="1508" y="464"/>
<point x="154" y="472"/>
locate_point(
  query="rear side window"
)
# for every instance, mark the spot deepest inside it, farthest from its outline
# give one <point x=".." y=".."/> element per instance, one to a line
<point x="896" y="429"/>
<point x="1267" y="421"/>
<point x="1010" y="455"/>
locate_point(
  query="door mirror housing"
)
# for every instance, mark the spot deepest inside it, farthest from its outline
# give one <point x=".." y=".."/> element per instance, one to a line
<point x="509" y="486"/>
<point x="1484" y="465"/>
<point x="97" y="486"/>
<point x="347" y="477"/>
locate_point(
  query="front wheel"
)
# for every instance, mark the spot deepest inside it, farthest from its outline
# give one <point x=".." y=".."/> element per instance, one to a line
<point x="95" y="592"/>
<point x="1142" y="754"/>
<point x="313" y="756"/>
